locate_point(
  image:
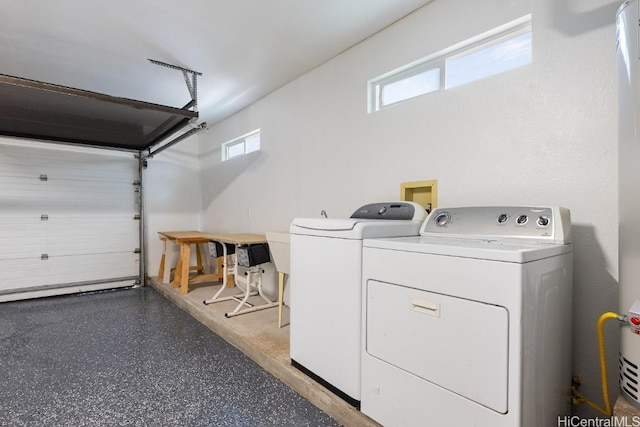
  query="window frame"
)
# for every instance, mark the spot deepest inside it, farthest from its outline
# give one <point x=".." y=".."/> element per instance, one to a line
<point x="235" y="142"/>
<point x="485" y="43"/>
<point x="375" y="87"/>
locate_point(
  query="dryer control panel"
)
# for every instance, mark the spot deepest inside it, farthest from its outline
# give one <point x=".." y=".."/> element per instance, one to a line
<point x="410" y="211"/>
<point x="551" y="224"/>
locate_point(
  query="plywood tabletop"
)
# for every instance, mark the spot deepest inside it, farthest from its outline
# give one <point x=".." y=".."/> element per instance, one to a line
<point x="199" y="237"/>
<point x="182" y="235"/>
<point x="237" y="238"/>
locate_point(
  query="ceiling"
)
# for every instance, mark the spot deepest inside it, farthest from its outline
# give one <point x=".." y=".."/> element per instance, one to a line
<point x="244" y="49"/>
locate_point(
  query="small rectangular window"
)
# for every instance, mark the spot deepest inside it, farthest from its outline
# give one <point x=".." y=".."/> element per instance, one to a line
<point x="411" y="86"/>
<point x="493" y="52"/>
<point x="236" y="149"/>
<point x="489" y="59"/>
<point x="242" y="145"/>
<point x="252" y="143"/>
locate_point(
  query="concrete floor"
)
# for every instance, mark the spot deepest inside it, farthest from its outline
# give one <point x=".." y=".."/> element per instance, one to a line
<point x="130" y="357"/>
<point x="257" y="335"/>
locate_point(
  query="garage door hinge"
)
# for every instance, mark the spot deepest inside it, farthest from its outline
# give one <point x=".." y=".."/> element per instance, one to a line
<point x="44" y="217"/>
<point x="44" y="257"/>
<point x="136" y="251"/>
<point x="137" y="217"/>
<point x="43" y="177"/>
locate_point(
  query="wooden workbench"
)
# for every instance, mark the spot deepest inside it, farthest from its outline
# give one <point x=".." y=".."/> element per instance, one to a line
<point x="184" y="239"/>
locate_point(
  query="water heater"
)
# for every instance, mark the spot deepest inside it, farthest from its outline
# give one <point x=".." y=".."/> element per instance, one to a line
<point x="628" y="58"/>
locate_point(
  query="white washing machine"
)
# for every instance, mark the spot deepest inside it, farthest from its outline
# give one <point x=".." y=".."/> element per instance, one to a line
<point x="326" y="284"/>
<point x="470" y="322"/>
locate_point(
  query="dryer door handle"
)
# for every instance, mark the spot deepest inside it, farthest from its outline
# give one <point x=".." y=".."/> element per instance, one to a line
<point x="425" y="307"/>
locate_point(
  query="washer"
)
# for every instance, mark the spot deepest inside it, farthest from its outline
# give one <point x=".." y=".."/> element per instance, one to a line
<point x="326" y="279"/>
<point x="470" y="322"/>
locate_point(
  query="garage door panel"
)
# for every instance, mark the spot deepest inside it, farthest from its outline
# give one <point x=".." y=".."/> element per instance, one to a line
<point x="22" y="237"/>
<point x="31" y="237"/>
<point x="81" y="166"/>
<point x="88" y="246"/>
<point x="27" y="248"/>
<point x="122" y="235"/>
<point x="21" y="273"/>
<point x="21" y="195"/>
<point x="97" y="197"/>
<point x="92" y="267"/>
<point x="30" y="195"/>
<point x="67" y="215"/>
<point x="26" y="158"/>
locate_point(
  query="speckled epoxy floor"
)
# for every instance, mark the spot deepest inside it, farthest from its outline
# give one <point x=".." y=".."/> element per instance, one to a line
<point x="131" y="357"/>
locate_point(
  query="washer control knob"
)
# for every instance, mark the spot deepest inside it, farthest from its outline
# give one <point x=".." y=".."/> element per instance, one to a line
<point x="635" y="320"/>
<point x="442" y="219"/>
<point x="502" y="218"/>
<point x="543" y="221"/>
<point x="522" y="219"/>
<point x="382" y="210"/>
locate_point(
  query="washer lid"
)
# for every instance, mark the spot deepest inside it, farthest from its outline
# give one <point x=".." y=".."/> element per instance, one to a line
<point x="353" y="228"/>
<point x="325" y="224"/>
<point x="388" y="219"/>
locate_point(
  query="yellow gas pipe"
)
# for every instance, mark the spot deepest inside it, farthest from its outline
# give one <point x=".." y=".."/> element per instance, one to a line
<point x="603" y="368"/>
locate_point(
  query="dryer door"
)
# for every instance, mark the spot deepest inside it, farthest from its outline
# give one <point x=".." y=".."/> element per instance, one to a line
<point x="455" y="343"/>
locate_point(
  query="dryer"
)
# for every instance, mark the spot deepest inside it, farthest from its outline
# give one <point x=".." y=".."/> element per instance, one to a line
<point x="470" y="322"/>
<point x="326" y="283"/>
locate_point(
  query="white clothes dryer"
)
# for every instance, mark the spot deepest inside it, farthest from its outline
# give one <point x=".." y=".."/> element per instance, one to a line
<point x="326" y="284"/>
<point x="470" y="322"/>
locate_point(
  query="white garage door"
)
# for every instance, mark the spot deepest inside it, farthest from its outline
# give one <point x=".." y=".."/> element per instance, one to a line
<point x="68" y="219"/>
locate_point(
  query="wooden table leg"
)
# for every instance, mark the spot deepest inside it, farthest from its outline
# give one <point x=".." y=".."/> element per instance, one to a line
<point x="185" y="258"/>
<point x="178" y="271"/>
<point x="162" y="260"/>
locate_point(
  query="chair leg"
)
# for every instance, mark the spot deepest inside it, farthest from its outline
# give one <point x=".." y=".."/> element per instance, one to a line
<point x="280" y="297"/>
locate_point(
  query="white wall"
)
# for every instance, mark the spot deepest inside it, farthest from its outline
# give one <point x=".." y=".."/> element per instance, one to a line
<point x="172" y="196"/>
<point x="544" y="134"/>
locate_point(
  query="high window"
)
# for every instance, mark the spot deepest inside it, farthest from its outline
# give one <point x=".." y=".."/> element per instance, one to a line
<point x="496" y="51"/>
<point x="241" y="145"/>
